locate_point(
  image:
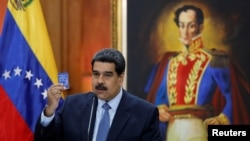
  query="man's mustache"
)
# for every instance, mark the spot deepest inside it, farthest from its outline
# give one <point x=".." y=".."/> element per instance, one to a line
<point x="100" y="87"/>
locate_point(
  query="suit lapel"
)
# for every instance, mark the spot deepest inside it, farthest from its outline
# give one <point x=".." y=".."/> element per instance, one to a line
<point x="121" y="118"/>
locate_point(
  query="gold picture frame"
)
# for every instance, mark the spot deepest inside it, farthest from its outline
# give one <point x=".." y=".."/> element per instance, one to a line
<point x="116" y="23"/>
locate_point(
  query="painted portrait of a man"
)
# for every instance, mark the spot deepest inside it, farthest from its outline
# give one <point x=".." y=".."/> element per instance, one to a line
<point x="194" y="57"/>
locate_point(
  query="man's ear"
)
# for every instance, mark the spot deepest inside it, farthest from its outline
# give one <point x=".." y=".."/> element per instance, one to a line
<point x="121" y="77"/>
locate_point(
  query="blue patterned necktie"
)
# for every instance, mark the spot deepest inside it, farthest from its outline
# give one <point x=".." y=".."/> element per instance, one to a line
<point x="104" y="124"/>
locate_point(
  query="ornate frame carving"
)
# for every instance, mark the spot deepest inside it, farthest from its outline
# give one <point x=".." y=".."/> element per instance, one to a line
<point x="118" y="23"/>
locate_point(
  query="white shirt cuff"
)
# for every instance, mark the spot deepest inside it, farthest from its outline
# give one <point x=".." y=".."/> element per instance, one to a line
<point x="45" y="120"/>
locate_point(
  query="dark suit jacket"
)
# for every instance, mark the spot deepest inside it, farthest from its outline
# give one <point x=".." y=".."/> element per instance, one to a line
<point x="135" y="120"/>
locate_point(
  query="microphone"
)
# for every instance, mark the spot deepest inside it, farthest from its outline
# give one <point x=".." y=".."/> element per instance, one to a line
<point x="91" y="116"/>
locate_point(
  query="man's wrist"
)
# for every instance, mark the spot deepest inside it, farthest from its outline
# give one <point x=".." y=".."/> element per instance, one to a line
<point x="48" y="111"/>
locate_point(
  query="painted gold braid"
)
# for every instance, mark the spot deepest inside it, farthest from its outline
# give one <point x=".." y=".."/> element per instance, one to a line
<point x="192" y="78"/>
<point x="191" y="82"/>
<point x="223" y="119"/>
<point x="172" y="82"/>
<point x="162" y="106"/>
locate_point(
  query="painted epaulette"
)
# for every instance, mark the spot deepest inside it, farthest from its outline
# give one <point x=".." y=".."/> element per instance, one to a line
<point x="220" y="58"/>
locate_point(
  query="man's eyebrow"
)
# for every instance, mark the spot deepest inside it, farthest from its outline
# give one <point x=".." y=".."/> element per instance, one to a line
<point x="108" y="72"/>
<point x="103" y="72"/>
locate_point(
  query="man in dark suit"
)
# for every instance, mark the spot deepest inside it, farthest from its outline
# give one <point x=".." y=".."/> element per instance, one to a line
<point x="130" y="118"/>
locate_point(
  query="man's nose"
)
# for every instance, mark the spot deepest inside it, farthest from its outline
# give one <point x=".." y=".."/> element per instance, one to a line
<point x="100" y="79"/>
<point x="185" y="30"/>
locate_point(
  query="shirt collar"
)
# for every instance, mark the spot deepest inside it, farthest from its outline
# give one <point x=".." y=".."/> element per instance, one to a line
<point x="113" y="103"/>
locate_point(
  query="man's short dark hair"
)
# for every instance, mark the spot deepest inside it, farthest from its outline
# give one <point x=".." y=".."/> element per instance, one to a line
<point x="110" y="55"/>
<point x="198" y="11"/>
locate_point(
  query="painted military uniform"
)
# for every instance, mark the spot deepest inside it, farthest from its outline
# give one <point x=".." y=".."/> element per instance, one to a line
<point x="187" y="88"/>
